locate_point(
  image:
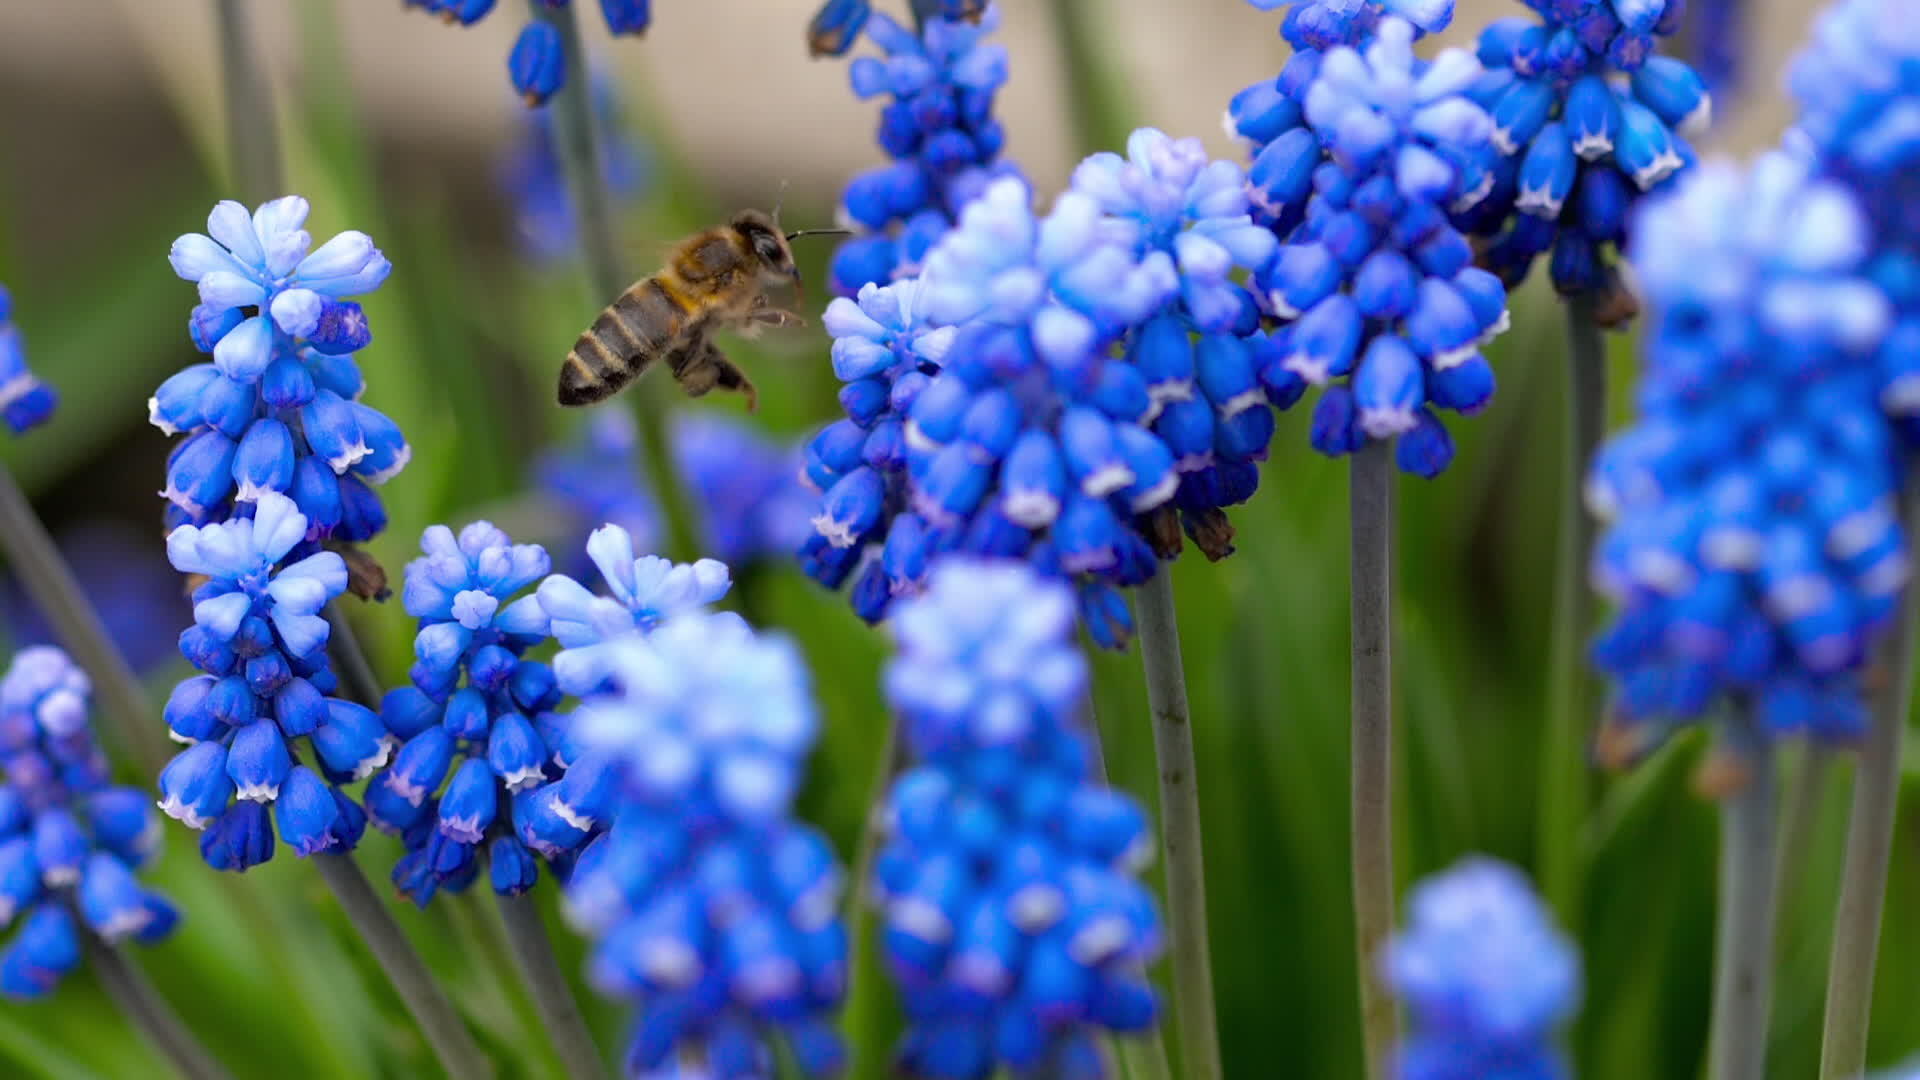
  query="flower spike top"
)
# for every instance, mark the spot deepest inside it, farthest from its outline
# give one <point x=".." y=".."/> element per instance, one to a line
<point x="1753" y="545"/>
<point x="277" y="409"/>
<point x="1014" y="923"/>
<point x="1029" y="441"/>
<point x="750" y="502"/>
<point x="260" y="640"/>
<point x="537" y="64"/>
<point x="1587" y="118"/>
<point x="1381" y="304"/>
<point x="69" y="841"/>
<point x="710" y="908"/>
<point x="1485" y="975"/>
<point x="643" y="590"/>
<point x="1207" y="403"/>
<point x="476" y="710"/>
<point x="25" y="401"/>
<point x="939" y="129"/>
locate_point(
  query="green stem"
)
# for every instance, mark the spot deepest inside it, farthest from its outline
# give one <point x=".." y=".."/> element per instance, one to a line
<point x="147" y="1011"/>
<point x="1799" y="814"/>
<point x="1096" y="95"/>
<point x="1194" y="1018"/>
<point x="576" y="134"/>
<point x="552" y="996"/>
<point x="1564" y="780"/>
<point x="1863" y="882"/>
<point x="452" y="1043"/>
<point x="50" y="583"/>
<point x="1371" y="506"/>
<point x="253" y="144"/>
<point x="350" y="660"/>
<point x="1743" y="948"/>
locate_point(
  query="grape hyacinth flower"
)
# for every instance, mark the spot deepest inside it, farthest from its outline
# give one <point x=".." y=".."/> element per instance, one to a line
<point x="1858" y="87"/>
<point x="1380" y="303"/>
<point x="749" y="503"/>
<point x="709" y="907"/>
<point x="1207" y="401"/>
<point x="1485" y="976"/>
<point x="1586" y="119"/>
<point x="537" y="64"/>
<point x="25" y="401"/>
<point x="531" y="175"/>
<point x="939" y="129"/>
<point x="1753" y="548"/>
<point x="259" y="639"/>
<point x="1014" y="921"/>
<point x="70" y="841"/>
<point x="596" y="479"/>
<point x="1029" y="441"/>
<point x="473" y="718"/>
<point x="277" y="409"/>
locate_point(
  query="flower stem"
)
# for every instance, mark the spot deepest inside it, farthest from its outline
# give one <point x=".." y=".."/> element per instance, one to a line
<point x="1799" y="814"/>
<point x="1564" y="782"/>
<point x="1743" y="950"/>
<point x="1371" y="506"/>
<point x="147" y="1011"/>
<point x="552" y="996"/>
<point x="576" y="133"/>
<point x="1863" y="881"/>
<point x="37" y="564"/>
<point x="1180" y="828"/>
<point x="1096" y="94"/>
<point x="350" y="660"/>
<point x="253" y="144"/>
<point x="452" y="1043"/>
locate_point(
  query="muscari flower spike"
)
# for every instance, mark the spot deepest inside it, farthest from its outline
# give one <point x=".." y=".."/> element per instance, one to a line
<point x="1485" y="975"/>
<point x="1028" y="442"/>
<point x="259" y="637"/>
<point x="277" y="409"/>
<point x="709" y="906"/>
<point x="1858" y="87"/>
<point x="1586" y="119"/>
<point x="1375" y="286"/>
<point x="1753" y="548"/>
<point x="594" y="479"/>
<point x="1202" y="353"/>
<point x="25" y="401"/>
<point x="537" y="65"/>
<point x="749" y="501"/>
<point x="70" y="842"/>
<point x="1014" y="921"/>
<point x="544" y="223"/>
<point x="939" y="129"/>
<point x="477" y="719"/>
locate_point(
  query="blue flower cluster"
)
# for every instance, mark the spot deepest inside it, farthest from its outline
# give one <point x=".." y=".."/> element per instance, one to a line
<point x="1375" y="285"/>
<point x="595" y="479"/>
<point x="1754" y="546"/>
<point x="1028" y="441"/>
<point x="543" y="214"/>
<point x="1485" y="976"/>
<point x="749" y="502"/>
<point x="25" y="401"/>
<point x="476" y="711"/>
<point x="1858" y="86"/>
<point x="537" y="66"/>
<point x="710" y="908"/>
<point x="260" y="639"/>
<point x="1206" y="400"/>
<point x="70" y="842"/>
<point x="1014" y="923"/>
<point x="939" y="129"/>
<point x="1586" y="118"/>
<point x="277" y="409"/>
<point x="1716" y="33"/>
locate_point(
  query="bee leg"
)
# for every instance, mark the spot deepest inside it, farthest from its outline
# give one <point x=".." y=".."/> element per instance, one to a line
<point x="710" y="368"/>
<point x="777" y="317"/>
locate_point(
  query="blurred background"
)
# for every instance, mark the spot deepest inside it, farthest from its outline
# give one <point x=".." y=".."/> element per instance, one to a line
<point x="405" y="128"/>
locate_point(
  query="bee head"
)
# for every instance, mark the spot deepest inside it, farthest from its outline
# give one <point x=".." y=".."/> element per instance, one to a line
<point x="762" y="237"/>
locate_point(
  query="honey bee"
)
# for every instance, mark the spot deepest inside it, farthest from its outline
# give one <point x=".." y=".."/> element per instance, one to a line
<point x="717" y="279"/>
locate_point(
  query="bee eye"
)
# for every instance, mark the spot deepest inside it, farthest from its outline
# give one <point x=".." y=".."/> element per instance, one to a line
<point x="767" y="249"/>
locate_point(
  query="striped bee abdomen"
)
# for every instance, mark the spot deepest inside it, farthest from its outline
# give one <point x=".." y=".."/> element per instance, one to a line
<point x="629" y="335"/>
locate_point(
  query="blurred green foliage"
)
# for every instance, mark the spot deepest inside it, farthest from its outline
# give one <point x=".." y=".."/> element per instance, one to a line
<point x="266" y="970"/>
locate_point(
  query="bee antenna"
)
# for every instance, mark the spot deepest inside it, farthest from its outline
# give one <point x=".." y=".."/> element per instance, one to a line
<point x="819" y="232"/>
<point x="779" y="201"/>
